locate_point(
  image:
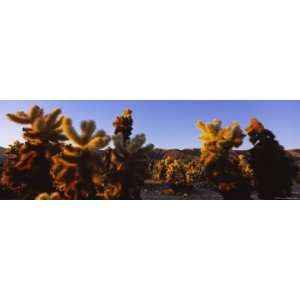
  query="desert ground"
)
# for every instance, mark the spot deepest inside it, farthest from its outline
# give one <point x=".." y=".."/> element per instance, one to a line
<point x="159" y="191"/>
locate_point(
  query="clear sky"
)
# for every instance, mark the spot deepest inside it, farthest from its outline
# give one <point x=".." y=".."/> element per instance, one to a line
<point x="168" y="124"/>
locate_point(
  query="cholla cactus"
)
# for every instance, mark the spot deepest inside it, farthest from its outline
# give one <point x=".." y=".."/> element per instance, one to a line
<point x="73" y="169"/>
<point x="160" y="167"/>
<point x="179" y="175"/>
<point x="193" y="172"/>
<point x="123" y="124"/>
<point x="219" y="163"/>
<point x="43" y="128"/>
<point x="273" y="169"/>
<point x="47" y="196"/>
<point x="175" y="175"/>
<point x="126" y="165"/>
<point x="26" y="171"/>
<point x="218" y="141"/>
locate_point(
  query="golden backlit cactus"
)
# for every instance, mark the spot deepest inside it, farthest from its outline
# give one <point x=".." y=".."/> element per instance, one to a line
<point x="255" y="126"/>
<point x="160" y="167"/>
<point x="125" y="147"/>
<point x="21" y="117"/>
<point x="43" y="128"/>
<point x="179" y="175"/>
<point x="176" y="172"/>
<point x="26" y="171"/>
<point x="217" y="141"/>
<point x="126" y="168"/>
<point x="123" y="124"/>
<point x="89" y="139"/>
<point x="273" y="169"/>
<point x="47" y="196"/>
<point x="73" y="168"/>
<point x="219" y="163"/>
<point x="126" y="164"/>
<point x="193" y="172"/>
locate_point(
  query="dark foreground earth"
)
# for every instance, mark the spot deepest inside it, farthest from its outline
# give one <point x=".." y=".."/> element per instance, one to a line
<point x="156" y="191"/>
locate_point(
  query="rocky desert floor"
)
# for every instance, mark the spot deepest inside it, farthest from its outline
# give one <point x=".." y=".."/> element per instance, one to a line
<point x="158" y="191"/>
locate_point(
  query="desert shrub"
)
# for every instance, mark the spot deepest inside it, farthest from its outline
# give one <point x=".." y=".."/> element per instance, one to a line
<point x="73" y="169"/>
<point x="123" y="168"/>
<point x="220" y="164"/>
<point x="179" y="175"/>
<point x="26" y="171"/>
<point x="274" y="170"/>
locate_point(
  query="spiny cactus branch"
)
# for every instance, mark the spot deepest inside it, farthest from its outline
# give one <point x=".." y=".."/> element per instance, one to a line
<point x="87" y="140"/>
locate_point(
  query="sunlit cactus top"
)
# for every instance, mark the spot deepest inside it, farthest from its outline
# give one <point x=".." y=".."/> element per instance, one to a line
<point x="212" y="134"/>
<point x="176" y="167"/>
<point x="89" y="139"/>
<point x="257" y="132"/>
<point x="43" y="127"/>
<point x="123" y="124"/>
<point x="217" y="140"/>
<point x="123" y="129"/>
<point x="254" y="126"/>
<point x="130" y="146"/>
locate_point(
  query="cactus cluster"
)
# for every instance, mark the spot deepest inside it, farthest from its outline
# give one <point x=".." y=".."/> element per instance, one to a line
<point x="74" y="167"/>
<point x="218" y="141"/>
<point x="219" y="163"/>
<point x="267" y="170"/>
<point x="26" y="172"/>
<point x="179" y="175"/>
<point x="125" y="165"/>
<point x="57" y="161"/>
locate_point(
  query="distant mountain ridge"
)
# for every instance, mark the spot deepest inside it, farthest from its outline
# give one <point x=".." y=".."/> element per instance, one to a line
<point x="193" y="154"/>
<point x="186" y="154"/>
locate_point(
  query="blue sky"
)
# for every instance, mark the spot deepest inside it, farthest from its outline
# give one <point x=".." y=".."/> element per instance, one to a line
<point x="168" y="124"/>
